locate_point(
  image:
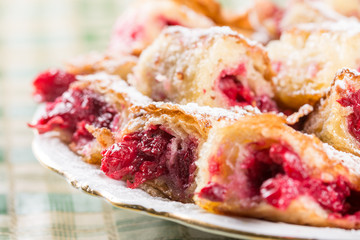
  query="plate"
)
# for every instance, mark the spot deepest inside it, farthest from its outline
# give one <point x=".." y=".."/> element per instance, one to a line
<point x="55" y="155"/>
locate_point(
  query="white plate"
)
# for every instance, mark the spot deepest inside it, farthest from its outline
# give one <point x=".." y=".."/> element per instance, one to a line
<point x="55" y="155"/>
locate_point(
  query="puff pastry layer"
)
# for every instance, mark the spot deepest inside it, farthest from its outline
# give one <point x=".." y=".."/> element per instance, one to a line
<point x="259" y="167"/>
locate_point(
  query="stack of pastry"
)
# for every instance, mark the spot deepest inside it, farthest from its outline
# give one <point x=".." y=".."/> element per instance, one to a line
<point x="200" y="113"/>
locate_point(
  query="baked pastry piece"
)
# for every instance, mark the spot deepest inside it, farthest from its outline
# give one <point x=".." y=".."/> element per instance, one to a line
<point x="213" y="67"/>
<point x="157" y="150"/>
<point x="259" y="21"/>
<point x="143" y="22"/>
<point x="51" y="83"/>
<point x="120" y="65"/>
<point x="265" y="20"/>
<point x="307" y="11"/>
<point x="336" y="117"/>
<point x="350" y="8"/>
<point x="208" y="8"/>
<point x="307" y="57"/>
<point x="99" y="100"/>
<point x="259" y="167"/>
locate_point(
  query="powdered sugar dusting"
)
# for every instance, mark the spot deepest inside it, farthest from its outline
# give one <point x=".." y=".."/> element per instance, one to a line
<point x="200" y="112"/>
<point x="115" y="83"/>
<point x="350" y="161"/>
<point x="193" y="35"/>
<point x="348" y="26"/>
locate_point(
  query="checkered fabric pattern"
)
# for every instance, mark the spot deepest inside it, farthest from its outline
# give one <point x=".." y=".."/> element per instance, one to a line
<point x="35" y="203"/>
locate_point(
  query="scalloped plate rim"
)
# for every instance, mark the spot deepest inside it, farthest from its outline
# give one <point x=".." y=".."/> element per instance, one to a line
<point x="45" y="148"/>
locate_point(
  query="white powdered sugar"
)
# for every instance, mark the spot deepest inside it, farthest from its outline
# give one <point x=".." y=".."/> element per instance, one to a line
<point x="347" y="26"/>
<point x="350" y="161"/>
<point x="193" y="35"/>
<point x="118" y="85"/>
<point x="210" y="112"/>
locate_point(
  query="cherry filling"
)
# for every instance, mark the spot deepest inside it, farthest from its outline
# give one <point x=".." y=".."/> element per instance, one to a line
<point x="149" y="154"/>
<point x="275" y="174"/>
<point x="51" y="84"/>
<point x="240" y="95"/>
<point x="73" y="110"/>
<point x="353" y="120"/>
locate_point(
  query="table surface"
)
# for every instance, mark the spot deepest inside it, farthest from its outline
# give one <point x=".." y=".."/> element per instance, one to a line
<point x="35" y="203"/>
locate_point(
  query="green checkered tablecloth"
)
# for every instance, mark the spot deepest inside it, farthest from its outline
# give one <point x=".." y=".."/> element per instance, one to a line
<point x="35" y="203"/>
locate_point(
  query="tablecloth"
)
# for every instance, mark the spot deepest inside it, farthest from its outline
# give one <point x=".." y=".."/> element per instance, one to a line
<point x="35" y="203"/>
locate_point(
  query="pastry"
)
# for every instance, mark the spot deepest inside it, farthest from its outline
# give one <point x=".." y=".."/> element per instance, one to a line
<point x="307" y="57"/>
<point x="264" y="20"/>
<point x="157" y="149"/>
<point x="259" y="167"/>
<point x="120" y="65"/>
<point x="212" y="67"/>
<point x="99" y="100"/>
<point x="143" y="22"/>
<point x="336" y="117"/>
<point x="307" y="11"/>
<point x="350" y="9"/>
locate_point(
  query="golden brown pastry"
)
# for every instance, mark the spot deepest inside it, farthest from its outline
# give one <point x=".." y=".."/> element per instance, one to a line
<point x="212" y="67"/>
<point x="259" y="167"/>
<point x="143" y="22"/>
<point x="348" y="8"/>
<point x="265" y="20"/>
<point x="307" y="57"/>
<point x="336" y="118"/>
<point x="208" y="8"/>
<point x="99" y="100"/>
<point x="120" y="65"/>
<point x="157" y="150"/>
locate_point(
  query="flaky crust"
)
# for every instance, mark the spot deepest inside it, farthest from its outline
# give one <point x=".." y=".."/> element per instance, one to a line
<point x="321" y="161"/>
<point x="181" y="59"/>
<point x="329" y="120"/>
<point x="117" y="93"/>
<point x="120" y="65"/>
<point x="307" y="57"/>
<point x="181" y="121"/>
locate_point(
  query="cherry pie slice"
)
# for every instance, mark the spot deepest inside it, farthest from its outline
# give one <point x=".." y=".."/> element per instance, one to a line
<point x="259" y="167"/>
<point x="307" y="57"/>
<point x="157" y="150"/>
<point x="336" y="117"/>
<point x="214" y="67"/>
<point x="99" y="100"/>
